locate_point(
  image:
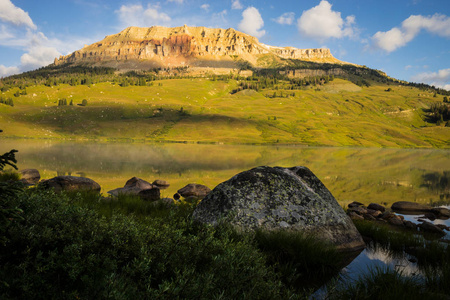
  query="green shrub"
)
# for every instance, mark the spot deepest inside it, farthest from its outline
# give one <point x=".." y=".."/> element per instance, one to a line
<point x="61" y="250"/>
<point x="9" y="175"/>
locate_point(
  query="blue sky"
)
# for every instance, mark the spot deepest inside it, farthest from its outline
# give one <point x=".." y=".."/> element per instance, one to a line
<point x="408" y="39"/>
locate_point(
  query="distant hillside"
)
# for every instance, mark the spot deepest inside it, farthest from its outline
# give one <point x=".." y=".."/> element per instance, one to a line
<point x="144" y="48"/>
<point x="260" y="109"/>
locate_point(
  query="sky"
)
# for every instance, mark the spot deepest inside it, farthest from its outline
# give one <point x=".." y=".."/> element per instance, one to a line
<point x="407" y="39"/>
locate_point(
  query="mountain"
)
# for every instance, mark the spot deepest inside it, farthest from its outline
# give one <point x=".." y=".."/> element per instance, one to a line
<point x="143" y="48"/>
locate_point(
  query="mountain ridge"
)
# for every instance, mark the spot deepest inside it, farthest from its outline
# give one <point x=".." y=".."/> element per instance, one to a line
<point x="159" y="46"/>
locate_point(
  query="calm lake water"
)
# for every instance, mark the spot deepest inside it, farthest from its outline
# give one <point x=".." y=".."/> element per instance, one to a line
<point x="351" y="174"/>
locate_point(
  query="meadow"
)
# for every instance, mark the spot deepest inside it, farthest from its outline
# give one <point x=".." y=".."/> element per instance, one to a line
<point x="203" y="110"/>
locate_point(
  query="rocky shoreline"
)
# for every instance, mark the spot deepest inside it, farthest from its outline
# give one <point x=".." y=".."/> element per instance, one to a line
<point x="393" y="216"/>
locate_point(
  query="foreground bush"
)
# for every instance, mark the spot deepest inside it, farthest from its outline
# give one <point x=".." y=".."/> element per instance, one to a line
<point x="63" y="251"/>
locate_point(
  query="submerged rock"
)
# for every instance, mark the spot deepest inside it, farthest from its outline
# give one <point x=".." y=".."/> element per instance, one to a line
<point x="277" y="198"/>
<point x="71" y="183"/>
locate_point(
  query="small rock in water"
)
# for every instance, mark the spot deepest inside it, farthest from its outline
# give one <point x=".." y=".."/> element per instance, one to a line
<point x="409" y="224"/>
<point x="376" y="206"/>
<point x="355" y="203"/>
<point x="395" y="221"/>
<point x="430" y="216"/>
<point x="161" y="183"/>
<point x="71" y="183"/>
<point x="194" y="189"/>
<point x="441" y="212"/>
<point x="30" y="176"/>
<point x="354" y="216"/>
<point x="429" y="227"/>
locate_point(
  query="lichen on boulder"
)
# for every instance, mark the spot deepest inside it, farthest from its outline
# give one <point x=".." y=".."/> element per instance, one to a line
<point x="280" y="198"/>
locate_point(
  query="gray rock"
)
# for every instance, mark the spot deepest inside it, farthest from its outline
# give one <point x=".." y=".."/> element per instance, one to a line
<point x="71" y="183"/>
<point x="132" y="187"/>
<point x="395" y="221"/>
<point x="410" y="206"/>
<point x="376" y="206"/>
<point x="354" y="216"/>
<point x="194" y="189"/>
<point x="278" y="198"/>
<point x="443" y="227"/>
<point x="409" y="224"/>
<point x="429" y="227"/>
<point x="374" y="213"/>
<point x="30" y="176"/>
<point x="358" y="209"/>
<point x="430" y="216"/>
<point x="162" y="184"/>
<point x="355" y="203"/>
<point x="441" y="212"/>
<point x="369" y="217"/>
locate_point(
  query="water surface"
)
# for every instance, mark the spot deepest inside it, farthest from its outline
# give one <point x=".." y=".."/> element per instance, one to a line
<point x="351" y="174"/>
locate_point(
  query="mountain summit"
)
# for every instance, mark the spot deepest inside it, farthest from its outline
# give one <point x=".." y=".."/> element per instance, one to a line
<point x="138" y="47"/>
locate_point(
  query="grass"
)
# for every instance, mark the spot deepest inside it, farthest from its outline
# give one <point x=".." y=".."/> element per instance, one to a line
<point x="9" y="175"/>
<point x="336" y="114"/>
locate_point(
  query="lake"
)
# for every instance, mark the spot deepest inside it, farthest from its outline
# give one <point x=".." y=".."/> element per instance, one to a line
<point x="351" y="174"/>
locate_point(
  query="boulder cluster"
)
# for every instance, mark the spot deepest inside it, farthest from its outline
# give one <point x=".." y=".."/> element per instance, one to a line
<point x="134" y="186"/>
<point x="379" y="213"/>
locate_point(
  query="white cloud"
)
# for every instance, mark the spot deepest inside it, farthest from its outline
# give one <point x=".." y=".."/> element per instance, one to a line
<point x="15" y="15"/>
<point x="205" y="7"/>
<point x="397" y="37"/>
<point x="7" y="71"/>
<point x="136" y="15"/>
<point x="252" y="22"/>
<point x="38" y="56"/>
<point x="236" y="4"/>
<point x="440" y="78"/>
<point x="321" y="22"/>
<point x="286" y="18"/>
<point x="176" y="1"/>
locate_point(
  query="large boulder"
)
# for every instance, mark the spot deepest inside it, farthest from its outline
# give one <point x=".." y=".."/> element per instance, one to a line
<point x="280" y="198"/>
<point x="71" y="183"/>
<point x="193" y="189"/>
<point x="30" y="176"/>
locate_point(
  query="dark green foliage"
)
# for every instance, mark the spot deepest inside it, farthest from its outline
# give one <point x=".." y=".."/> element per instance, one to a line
<point x="9" y="175"/>
<point x="439" y="113"/>
<point x="383" y="284"/>
<point x="8" y="101"/>
<point x="8" y="192"/>
<point x="62" y="102"/>
<point x="60" y="250"/>
<point x="299" y="258"/>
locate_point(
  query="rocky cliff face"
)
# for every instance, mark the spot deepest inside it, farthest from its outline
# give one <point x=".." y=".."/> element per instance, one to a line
<point x="180" y="46"/>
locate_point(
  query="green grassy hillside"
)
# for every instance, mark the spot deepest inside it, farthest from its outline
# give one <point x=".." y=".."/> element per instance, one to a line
<point x="338" y="113"/>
